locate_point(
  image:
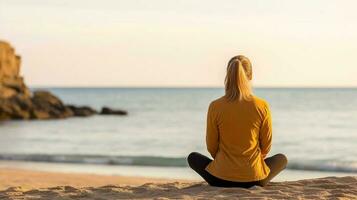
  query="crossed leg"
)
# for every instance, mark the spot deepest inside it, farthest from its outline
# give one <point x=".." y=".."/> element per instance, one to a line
<point x="198" y="163"/>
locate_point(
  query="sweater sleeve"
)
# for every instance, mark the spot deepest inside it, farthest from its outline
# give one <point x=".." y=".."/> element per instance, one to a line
<point x="212" y="135"/>
<point x="265" y="134"/>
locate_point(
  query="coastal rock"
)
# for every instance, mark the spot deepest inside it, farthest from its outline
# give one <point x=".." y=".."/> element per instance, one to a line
<point x="17" y="102"/>
<point x="110" y="111"/>
<point x="82" y="111"/>
<point x="48" y="106"/>
<point x="15" y="107"/>
<point x="42" y="105"/>
<point x="11" y="83"/>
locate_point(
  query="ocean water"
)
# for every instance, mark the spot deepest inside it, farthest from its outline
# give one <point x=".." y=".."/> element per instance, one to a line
<point x="315" y="128"/>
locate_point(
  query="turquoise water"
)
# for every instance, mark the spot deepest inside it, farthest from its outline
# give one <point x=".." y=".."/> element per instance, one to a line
<point x="315" y="128"/>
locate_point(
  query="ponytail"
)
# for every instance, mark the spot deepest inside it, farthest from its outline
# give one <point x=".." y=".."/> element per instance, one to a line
<point x="237" y="82"/>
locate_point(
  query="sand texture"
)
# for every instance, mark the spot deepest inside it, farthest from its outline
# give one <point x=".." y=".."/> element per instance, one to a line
<point x="81" y="186"/>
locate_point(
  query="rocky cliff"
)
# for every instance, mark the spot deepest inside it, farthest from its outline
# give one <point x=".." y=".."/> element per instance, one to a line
<point x="17" y="102"/>
<point x="11" y="83"/>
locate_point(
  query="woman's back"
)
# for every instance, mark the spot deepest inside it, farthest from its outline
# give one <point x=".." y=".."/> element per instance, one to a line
<point x="242" y="130"/>
<point x="239" y="135"/>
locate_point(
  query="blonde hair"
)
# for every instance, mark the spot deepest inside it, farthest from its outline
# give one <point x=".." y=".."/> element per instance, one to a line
<point x="237" y="82"/>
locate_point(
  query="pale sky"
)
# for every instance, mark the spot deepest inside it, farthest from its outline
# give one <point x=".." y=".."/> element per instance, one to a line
<point x="305" y="43"/>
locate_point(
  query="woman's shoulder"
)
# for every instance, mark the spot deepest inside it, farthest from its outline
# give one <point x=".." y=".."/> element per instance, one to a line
<point x="260" y="102"/>
<point x="261" y="105"/>
<point x="216" y="102"/>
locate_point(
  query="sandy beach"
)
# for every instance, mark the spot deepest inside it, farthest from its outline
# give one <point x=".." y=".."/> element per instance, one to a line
<point x="28" y="184"/>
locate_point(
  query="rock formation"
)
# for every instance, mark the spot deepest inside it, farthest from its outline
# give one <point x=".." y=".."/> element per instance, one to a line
<point x="109" y="111"/>
<point x="17" y="102"/>
<point x="11" y="83"/>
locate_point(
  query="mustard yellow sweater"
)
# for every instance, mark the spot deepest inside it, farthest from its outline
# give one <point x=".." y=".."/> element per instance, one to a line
<point x="239" y="136"/>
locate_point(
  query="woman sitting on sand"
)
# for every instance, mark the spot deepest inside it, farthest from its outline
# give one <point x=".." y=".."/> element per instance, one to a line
<point x="239" y="135"/>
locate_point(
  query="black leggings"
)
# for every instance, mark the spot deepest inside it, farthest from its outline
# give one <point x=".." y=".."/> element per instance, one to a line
<point x="199" y="162"/>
